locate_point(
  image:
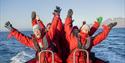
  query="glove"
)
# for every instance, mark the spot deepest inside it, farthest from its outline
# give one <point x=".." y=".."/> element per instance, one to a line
<point x="112" y="24"/>
<point x="8" y="25"/>
<point x="33" y="16"/>
<point x="99" y="19"/>
<point x="57" y="11"/>
<point x="70" y="13"/>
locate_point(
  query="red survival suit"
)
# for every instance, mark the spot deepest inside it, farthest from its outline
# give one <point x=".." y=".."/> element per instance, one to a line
<point x="61" y="41"/>
<point x="73" y="41"/>
<point x="29" y="42"/>
<point x="58" y="36"/>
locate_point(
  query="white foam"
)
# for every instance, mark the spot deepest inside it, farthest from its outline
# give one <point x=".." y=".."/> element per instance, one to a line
<point x="21" y="57"/>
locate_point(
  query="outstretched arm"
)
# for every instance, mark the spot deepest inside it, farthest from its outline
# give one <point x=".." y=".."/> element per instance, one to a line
<point x="95" y="26"/>
<point x="19" y="36"/>
<point x="101" y="36"/>
<point x="37" y="19"/>
<point x="68" y="25"/>
<point x="40" y="22"/>
<point x="27" y="41"/>
<point x="55" y="23"/>
<point x="60" y="25"/>
<point x="68" y="22"/>
<point x="53" y="27"/>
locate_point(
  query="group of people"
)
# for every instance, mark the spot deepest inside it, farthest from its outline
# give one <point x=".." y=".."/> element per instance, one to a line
<point x="62" y="38"/>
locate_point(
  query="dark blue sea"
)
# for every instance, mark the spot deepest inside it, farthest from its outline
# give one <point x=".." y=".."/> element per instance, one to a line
<point x="111" y="49"/>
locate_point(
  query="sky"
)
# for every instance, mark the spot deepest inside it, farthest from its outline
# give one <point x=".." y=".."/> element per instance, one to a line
<point x="18" y="12"/>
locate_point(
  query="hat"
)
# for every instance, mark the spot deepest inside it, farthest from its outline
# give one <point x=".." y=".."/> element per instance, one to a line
<point x="35" y="25"/>
<point x="85" y="26"/>
<point x="75" y="27"/>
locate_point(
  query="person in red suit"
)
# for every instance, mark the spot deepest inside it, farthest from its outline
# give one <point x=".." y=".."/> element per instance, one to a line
<point x="39" y="40"/>
<point x="80" y="38"/>
<point x="58" y="36"/>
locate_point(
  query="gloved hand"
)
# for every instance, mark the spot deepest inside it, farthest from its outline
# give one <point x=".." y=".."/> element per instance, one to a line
<point x="57" y="10"/>
<point x="112" y="24"/>
<point x="33" y="16"/>
<point x="99" y="19"/>
<point x="70" y="13"/>
<point x="8" y="25"/>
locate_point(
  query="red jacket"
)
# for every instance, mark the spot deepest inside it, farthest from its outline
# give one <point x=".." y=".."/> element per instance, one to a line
<point x="41" y="24"/>
<point x="57" y="39"/>
<point x="73" y="41"/>
<point x="27" y="41"/>
<point x="94" y="27"/>
<point x="61" y="41"/>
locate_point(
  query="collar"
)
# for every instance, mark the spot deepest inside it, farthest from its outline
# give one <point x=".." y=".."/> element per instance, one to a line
<point x="82" y="34"/>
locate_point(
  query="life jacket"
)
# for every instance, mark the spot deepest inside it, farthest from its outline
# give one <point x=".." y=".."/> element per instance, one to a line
<point x="88" y="41"/>
<point x="45" y="45"/>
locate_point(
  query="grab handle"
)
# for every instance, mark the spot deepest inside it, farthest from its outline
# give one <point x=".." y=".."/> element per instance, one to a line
<point x="46" y="51"/>
<point x="76" y="50"/>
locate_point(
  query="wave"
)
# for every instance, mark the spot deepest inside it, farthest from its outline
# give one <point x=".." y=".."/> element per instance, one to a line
<point x="22" y="57"/>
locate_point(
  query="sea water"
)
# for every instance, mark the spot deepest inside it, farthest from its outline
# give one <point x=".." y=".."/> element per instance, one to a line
<point x="111" y="49"/>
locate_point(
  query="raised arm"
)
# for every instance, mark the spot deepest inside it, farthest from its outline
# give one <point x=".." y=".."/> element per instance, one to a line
<point x="52" y="30"/>
<point x="37" y="19"/>
<point x="68" y="22"/>
<point x="40" y="22"/>
<point x="60" y="25"/>
<point x="95" y="26"/>
<point x="102" y="35"/>
<point x="53" y="27"/>
<point x="27" y="41"/>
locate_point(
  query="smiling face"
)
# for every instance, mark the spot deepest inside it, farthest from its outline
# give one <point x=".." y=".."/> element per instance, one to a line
<point x="37" y="33"/>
